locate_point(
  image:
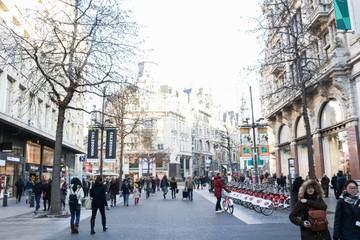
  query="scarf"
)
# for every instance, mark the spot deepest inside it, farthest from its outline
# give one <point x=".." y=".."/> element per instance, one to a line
<point x="350" y="199"/>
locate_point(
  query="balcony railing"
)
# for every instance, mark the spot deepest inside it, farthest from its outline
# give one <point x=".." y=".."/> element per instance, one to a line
<point x="318" y="13"/>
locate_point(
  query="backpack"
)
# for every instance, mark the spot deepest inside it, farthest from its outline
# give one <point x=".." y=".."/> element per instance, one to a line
<point x="317" y="219"/>
<point x="73" y="200"/>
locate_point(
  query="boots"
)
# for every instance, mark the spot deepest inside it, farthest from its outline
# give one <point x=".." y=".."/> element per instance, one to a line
<point x="92" y="224"/>
<point x="76" y="228"/>
<point x="72" y="228"/>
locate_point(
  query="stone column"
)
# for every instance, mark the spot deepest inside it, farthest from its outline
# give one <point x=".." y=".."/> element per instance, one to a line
<point x="278" y="161"/>
<point x="353" y="144"/>
<point x="293" y="153"/>
<point x="318" y="155"/>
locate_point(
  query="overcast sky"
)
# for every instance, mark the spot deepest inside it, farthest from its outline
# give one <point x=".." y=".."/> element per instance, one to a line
<point x="202" y="43"/>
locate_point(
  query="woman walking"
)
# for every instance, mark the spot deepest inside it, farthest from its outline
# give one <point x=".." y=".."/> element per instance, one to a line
<point x="310" y="212"/>
<point x="173" y="187"/>
<point x="347" y="214"/>
<point x="75" y="197"/>
<point x="164" y="184"/>
<point x="125" y="188"/>
<point x="218" y="186"/>
<point x="189" y="186"/>
<point x="98" y="195"/>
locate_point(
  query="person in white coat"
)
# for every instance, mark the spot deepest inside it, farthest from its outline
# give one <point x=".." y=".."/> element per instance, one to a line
<point x="76" y="194"/>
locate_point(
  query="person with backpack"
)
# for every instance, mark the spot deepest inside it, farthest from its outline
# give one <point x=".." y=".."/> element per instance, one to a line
<point x="310" y="212"/>
<point x="347" y="214"/>
<point x="76" y="194"/>
<point x="173" y="187"/>
<point x="98" y="195"/>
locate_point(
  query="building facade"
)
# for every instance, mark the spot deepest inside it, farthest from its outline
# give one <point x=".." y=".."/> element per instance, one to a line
<point x="28" y="124"/>
<point x="332" y="93"/>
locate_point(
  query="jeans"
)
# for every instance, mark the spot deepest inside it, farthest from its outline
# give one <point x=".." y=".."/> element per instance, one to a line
<point x="218" y="206"/>
<point x="75" y="215"/>
<point x="126" y="199"/>
<point x="37" y="200"/>
<point x="113" y="199"/>
<point x="190" y="191"/>
<point x="173" y="193"/>
<point x="93" y="216"/>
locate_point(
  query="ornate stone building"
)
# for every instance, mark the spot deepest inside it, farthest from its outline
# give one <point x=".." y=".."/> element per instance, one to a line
<point x="332" y="94"/>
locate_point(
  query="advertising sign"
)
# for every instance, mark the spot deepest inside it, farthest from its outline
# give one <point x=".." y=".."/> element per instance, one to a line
<point x="110" y="147"/>
<point x="93" y="139"/>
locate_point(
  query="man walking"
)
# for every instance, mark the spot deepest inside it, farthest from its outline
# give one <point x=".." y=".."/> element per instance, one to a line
<point x="37" y="189"/>
<point x="19" y="189"/>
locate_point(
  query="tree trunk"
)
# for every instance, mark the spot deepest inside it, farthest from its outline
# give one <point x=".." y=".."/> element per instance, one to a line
<point x="55" y="185"/>
<point x="309" y="141"/>
<point x="229" y="152"/>
<point x="121" y="154"/>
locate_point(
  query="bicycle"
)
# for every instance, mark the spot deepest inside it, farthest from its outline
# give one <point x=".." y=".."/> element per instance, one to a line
<point x="228" y="204"/>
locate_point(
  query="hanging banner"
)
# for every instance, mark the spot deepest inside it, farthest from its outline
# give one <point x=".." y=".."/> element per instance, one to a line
<point x="342" y="16"/>
<point x="93" y="139"/>
<point x="246" y="147"/>
<point x="110" y="149"/>
<point x="263" y="146"/>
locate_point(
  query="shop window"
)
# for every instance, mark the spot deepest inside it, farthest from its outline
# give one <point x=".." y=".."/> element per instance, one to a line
<point x="48" y="156"/>
<point x="33" y="153"/>
<point x="300" y="128"/>
<point x="284" y="156"/>
<point x="331" y="114"/>
<point x="336" y="154"/>
<point x="302" y="156"/>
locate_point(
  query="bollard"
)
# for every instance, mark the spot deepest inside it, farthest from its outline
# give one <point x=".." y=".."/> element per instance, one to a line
<point x="5" y="198"/>
<point x="32" y="200"/>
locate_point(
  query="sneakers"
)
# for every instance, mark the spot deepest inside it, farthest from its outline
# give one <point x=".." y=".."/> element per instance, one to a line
<point x="219" y="211"/>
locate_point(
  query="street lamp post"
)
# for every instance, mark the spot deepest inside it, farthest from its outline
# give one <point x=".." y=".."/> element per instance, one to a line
<point x="102" y="127"/>
<point x="253" y="126"/>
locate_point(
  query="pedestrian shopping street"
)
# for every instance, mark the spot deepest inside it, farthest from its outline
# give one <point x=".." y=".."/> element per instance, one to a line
<point x="156" y="219"/>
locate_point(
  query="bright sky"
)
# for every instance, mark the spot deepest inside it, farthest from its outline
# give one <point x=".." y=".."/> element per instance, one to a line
<point x="203" y="43"/>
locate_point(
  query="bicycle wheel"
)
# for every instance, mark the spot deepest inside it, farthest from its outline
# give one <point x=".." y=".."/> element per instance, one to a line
<point x="267" y="211"/>
<point x="257" y="208"/>
<point x="231" y="209"/>
<point x="224" y="205"/>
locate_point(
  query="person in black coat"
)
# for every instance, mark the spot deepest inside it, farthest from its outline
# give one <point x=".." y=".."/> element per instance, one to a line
<point x="19" y="189"/>
<point x="310" y="196"/>
<point x="296" y="187"/>
<point x="113" y="190"/>
<point x="340" y="183"/>
<point x="173" y="187"/>
<point x="37" y="190"/>
<point x="46" y="192"/>
<point x="347" y="214"/>
<point x="333" y="183"/>
<point x="98" y="195"/>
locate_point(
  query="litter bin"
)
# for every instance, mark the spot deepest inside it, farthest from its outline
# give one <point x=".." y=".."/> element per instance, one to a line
<point x="5" y="198"/>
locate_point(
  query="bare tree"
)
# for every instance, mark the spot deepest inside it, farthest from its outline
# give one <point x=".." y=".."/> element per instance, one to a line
<point x="227" y="143"/>
<point x="126" y="120"/>
<point x="290" y="42"/>
<point x="71" y="48"/>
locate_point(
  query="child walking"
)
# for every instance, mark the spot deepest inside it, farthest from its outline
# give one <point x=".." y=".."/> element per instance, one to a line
<point x="136" y="196"/>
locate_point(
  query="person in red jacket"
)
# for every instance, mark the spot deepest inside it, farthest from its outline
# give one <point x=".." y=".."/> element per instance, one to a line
<point x="218" y="186"/>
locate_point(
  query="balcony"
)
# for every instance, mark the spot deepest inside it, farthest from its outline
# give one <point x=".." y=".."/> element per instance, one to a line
<point x="318" y="13"/>
<point x="277" y="68"/>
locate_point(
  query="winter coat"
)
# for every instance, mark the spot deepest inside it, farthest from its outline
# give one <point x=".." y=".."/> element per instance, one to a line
<point x="300" y="212"/>
<point x="189" y="184"/>
<point x="164" y="183"/>
<point x="340" y="183"/>
<point x="325" y="182"/>
<point x="79" y="193"/>
<point x="37" y="189"/>
<point x="173" y="184"/>
<point x="296" y="185"/>
<point x="114" y="189"/>
<point x="333" y="181"/>
<point x="125" y="188"/>
<point x="63" y="192"/>
<point x="46" y="191"/>
<point x="218" y="186"/>
<point x="98" y="195"/>
<point x="19" y="185"/>
<point x="346" y="215"/>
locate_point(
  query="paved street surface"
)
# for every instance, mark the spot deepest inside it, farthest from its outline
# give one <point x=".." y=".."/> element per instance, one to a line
<point x="155" y="218"/>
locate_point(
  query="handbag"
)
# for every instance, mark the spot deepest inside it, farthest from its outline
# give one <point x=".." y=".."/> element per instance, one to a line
<point x="317" y="219"/>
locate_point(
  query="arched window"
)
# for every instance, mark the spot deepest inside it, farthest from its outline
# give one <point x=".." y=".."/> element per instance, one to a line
<point x="284" y="135"/>
<point x="300" y="128"/>
<point x="331" y="114"/>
